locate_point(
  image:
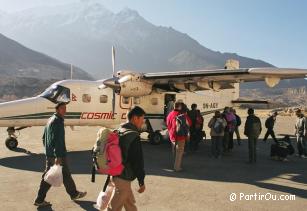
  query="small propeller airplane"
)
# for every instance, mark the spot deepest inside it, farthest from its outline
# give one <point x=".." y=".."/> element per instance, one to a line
<point x="106" y="102"/>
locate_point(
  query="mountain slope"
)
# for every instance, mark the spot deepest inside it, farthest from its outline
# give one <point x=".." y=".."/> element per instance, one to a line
<point x="19" y="61"/>
<point x="83" y="33"/>
<point x="25" y="73"/>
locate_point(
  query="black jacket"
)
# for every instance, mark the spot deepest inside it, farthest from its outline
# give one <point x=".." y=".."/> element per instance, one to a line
<point x="270" y="122"/>
<point x="132" y="153"/>
<point x="252" y="126"/>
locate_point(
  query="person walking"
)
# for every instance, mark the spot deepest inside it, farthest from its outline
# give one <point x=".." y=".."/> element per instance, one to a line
<point x="217" y="125"/>
<point x="178" y="124"/>
<point x="229" y="130"/>
<point x="301" y="134"/>
<point x="269" y="124"/>
<point x="55" y="150"/>
<point x="133" y="162"/>
<point x="252" y="130"/>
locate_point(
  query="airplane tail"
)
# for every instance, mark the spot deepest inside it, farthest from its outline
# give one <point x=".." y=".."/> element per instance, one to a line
<point x="232" y="64"/>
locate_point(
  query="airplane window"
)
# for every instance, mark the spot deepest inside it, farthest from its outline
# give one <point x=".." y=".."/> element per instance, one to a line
<point x="126" y="100"/>
<point x="103" y="98"/>
<point x="57" y="94"/>
<point x="154" y="101"/>
<point x="86" y="98"/>
<point x="136" y="100"/>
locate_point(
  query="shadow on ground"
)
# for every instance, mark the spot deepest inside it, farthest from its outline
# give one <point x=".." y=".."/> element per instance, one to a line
<point x="198" y="166"/>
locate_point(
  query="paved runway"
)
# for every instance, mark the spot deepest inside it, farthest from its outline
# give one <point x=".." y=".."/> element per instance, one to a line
<point x="206" y="183"/>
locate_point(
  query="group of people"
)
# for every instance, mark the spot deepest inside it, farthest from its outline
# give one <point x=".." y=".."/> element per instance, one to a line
<point x="222" y="128"/>
<point x="183" y="125"/>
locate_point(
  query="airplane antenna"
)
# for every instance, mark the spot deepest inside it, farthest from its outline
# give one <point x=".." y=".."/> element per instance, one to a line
<point x="113" y="60"/>
<point x="71" y="71"/>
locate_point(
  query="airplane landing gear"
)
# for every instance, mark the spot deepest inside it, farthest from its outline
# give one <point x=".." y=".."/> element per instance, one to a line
<point x="11" y="142"/>
<point x="155" y="138"/>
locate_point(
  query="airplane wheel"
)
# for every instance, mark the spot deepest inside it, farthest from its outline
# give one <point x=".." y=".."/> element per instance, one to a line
<point x="156" y="138"/>
<point x="11" y="143"/>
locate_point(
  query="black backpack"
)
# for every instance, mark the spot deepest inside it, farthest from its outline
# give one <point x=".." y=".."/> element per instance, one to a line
<point x="182" y="128"/>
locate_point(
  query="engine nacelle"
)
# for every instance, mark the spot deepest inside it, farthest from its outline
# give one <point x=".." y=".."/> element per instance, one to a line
<point x="135" y="88"/>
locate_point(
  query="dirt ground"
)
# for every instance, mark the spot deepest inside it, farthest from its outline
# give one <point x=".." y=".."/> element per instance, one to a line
<point x="206" y="183"/>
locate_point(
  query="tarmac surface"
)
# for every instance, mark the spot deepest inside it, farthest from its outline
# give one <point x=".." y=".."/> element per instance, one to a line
<point x="205" y="184"/>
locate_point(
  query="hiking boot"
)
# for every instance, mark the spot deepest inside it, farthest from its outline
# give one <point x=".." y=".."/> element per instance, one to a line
<point x="42" y="204"/>
<point x="178" y="170"/>
<point x="79" y="195"/>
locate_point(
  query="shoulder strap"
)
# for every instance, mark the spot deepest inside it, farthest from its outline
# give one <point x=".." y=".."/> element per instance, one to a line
<point x="106" y="183"/>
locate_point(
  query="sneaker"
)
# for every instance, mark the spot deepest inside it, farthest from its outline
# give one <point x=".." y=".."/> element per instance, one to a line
<point x="79" y="196"/>
<point x="284" y="160"/>
<point x="42" y="204"/>
<point x="303" y="156"/>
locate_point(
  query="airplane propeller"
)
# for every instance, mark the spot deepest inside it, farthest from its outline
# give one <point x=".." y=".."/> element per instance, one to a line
<point x="114" y="78"/>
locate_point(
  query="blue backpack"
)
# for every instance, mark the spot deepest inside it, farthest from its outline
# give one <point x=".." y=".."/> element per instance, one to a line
<point x="182" y="128"/>
<point x="218" y="127"/>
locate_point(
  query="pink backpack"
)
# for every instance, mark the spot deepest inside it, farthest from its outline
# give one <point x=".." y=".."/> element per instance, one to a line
<point x="107" y="155"/>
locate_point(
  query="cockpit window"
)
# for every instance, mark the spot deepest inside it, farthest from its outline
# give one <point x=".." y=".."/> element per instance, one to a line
<point x="57" y="94"/>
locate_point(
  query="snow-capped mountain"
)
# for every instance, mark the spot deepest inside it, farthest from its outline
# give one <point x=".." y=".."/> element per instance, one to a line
<point x="82" y="33"/>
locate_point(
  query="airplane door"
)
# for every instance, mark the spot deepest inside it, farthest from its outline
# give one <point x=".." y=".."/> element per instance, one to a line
<point x="181" y="98"/>
<point x="169" y="102"/>
<point x="125" y="102"/>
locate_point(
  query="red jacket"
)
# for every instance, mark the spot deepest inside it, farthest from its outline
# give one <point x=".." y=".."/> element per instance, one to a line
<point x="171" y="126"/>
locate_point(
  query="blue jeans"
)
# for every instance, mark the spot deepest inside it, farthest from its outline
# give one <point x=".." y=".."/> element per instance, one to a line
<point x="217" y="145"/>
<point x="302" y="145"/>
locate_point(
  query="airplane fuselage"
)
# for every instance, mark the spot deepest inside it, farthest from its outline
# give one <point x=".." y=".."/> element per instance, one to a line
<point x="90" y="106"/>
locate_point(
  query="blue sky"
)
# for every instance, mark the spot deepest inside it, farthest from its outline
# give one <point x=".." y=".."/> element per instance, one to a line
<point x="271" y="30"/>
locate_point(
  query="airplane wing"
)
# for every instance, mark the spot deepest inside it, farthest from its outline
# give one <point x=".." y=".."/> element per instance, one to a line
<point x="225" y="78"/>
<point x="239" y="75"/>
<point x="201" y="79"/>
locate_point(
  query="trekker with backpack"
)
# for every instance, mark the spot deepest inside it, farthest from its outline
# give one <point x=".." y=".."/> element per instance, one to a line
<point x="178" y="124"/>
<point x="252" y="130"/>
<point x="217" y="125"/>
<point x="301" y="134"/>
<point x="269" y="124"/>
<point x="132" y="160"/>
<point x="229" y="130"/>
